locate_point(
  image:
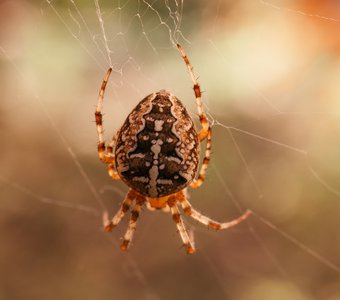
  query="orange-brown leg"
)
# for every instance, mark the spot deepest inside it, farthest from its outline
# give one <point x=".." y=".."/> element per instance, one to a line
<point x="132" y="226"/>
<point x="125" y="206"/>
<point x="176" y="216"/>
<point x="190" y="211"/>
<point x="196" y="183"/>
<point x="105" y="152"/>
<point x="203" y="118"/>
<point x="205" y="132"/>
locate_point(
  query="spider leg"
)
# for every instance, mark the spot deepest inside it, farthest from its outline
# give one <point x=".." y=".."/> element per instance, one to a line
<point x="125" y="206"/>
<point x="112" y="171"/>
<point x="190" y="211"/>
<point x="196" y="183"/>
<point x="105" y="152"/>
<point x="205" y="132"/>
<point x="203" y="118"/>
<point x="176" y="216"/>
<point x="111" y="166"/>
<point x="132" y="225"/>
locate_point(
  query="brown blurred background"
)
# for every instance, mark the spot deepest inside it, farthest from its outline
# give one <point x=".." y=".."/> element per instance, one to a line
<point x="270" y="71"/>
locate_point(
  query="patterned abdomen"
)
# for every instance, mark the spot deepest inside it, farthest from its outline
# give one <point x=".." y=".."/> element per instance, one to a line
<point x="157" y="149"/>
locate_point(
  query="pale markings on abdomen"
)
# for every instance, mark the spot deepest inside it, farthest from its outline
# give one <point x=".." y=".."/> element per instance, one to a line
<point x="157" y="147"/>
<point x="137" y="155"/>
<point x="175" y="159"/>
<point x="159" y="125"/>
<point x="153" y="173"/>
<point x="164" y="181"/>
<point x="141" y="179"/>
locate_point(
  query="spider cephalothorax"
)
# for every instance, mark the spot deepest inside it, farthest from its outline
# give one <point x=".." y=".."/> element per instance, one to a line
<point x="156" y="153"/>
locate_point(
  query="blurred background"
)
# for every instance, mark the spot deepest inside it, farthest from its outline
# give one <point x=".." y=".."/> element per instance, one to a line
<point x="270" y="74"/>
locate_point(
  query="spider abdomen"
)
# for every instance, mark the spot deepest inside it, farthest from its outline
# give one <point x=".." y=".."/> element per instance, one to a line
<point x="157" y="149"/>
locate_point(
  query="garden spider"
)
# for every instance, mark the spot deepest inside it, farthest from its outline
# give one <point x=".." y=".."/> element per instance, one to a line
<point x="156" y="153"/>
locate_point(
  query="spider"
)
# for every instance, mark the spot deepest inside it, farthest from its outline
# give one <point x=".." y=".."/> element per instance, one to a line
<point x="156" y="153"/>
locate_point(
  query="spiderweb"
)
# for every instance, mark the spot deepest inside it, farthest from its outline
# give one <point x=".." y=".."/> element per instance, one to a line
<point x="269" y="72"/>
